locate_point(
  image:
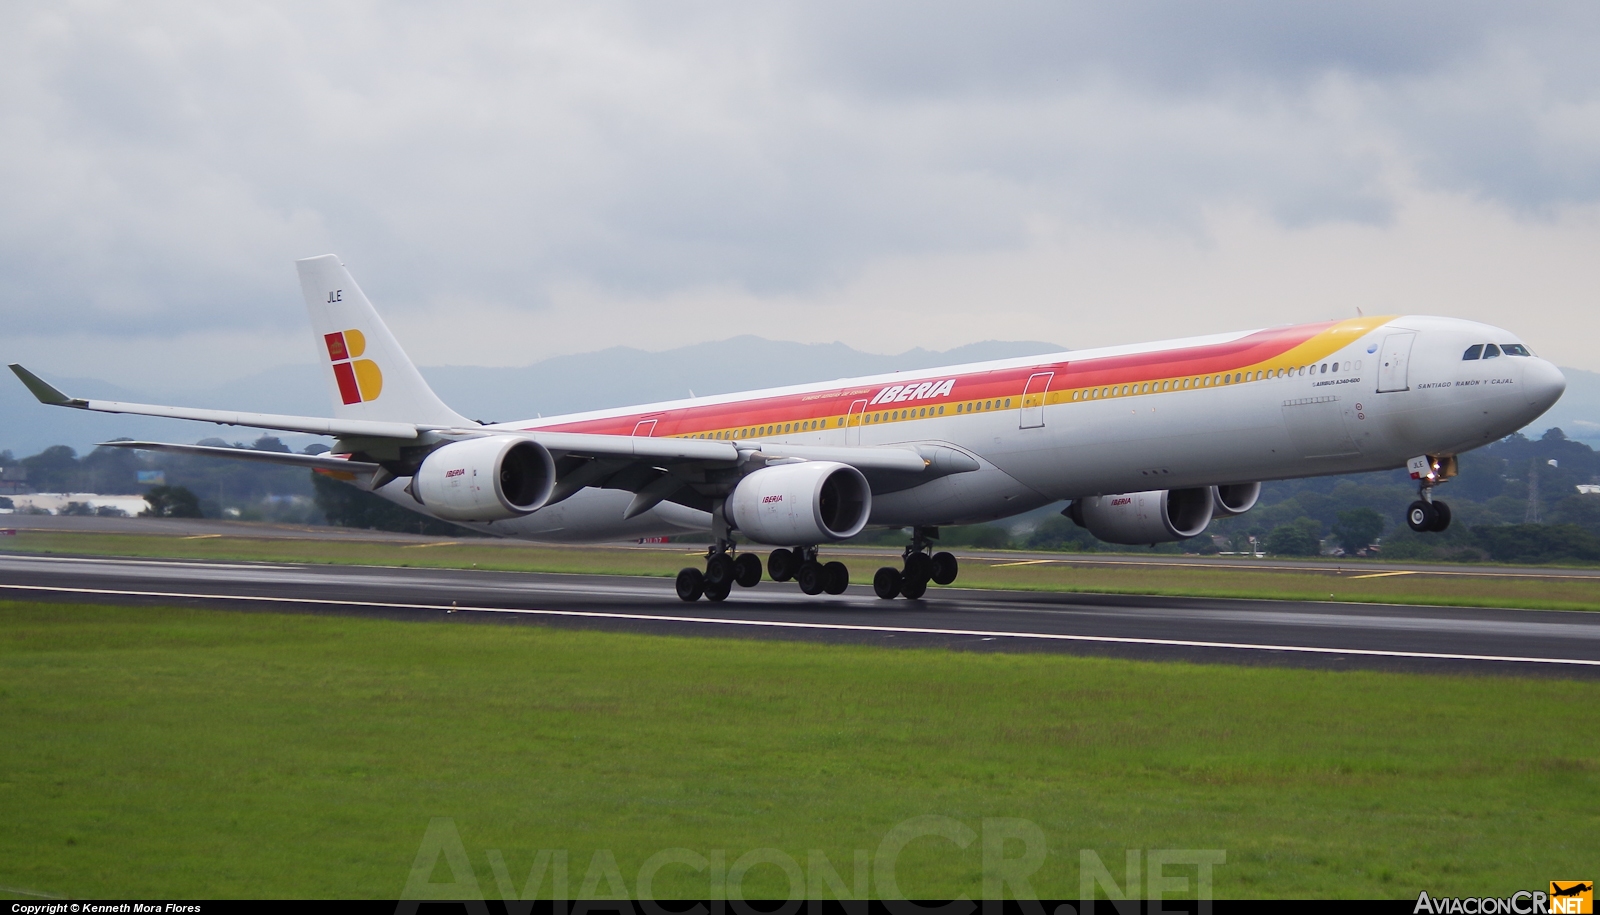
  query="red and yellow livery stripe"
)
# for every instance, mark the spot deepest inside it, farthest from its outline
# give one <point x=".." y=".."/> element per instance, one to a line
<point x="1255" y="356"/>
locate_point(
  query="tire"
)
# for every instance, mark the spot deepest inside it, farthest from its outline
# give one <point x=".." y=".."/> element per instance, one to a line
<point x="719" y="569"/>
<point x="1421" y="517"/>
<point x="945" y="568"/>
<point x="810" y="576"/>
<point x="918" y="565"/>
<point x="781" y="565"/>
<point x="886" y="584"/>
<point x="1441" y="520"/>
<point x="835" y="578"/>
<point x="717" y="593"/>
<point x="747" y="570"/>
<point x="913" y="588"/>
<point x="691" y="584"/>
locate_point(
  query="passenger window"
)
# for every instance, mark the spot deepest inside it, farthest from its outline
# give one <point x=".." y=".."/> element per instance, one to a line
<point x="1336" y="367"/>
<point x="1490" y="351"/>
<point x="1514" y="349"/>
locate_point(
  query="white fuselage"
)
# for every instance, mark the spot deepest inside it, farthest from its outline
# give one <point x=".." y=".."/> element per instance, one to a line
<point x="1340" y="397"/>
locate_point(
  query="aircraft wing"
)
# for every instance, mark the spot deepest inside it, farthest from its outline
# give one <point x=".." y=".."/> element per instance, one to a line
<point x="312" y="425"/>
<point x="691" y="471"/>
<point x="312" y="461"/>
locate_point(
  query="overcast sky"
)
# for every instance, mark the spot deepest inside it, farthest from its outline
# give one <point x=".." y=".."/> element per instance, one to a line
<point x="514" y="181"/>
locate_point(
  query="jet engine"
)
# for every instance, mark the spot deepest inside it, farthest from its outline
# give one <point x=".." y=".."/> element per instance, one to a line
<point x="485" y="479"/>
<point x="1234" y="499"/>
<point x="801" y="504"/>
<point x="1157" y="516"/>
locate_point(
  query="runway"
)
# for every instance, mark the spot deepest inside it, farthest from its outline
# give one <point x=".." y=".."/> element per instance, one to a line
<point x="1328" y="635"/>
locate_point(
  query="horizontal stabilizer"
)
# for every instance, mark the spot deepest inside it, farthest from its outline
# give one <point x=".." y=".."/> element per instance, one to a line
<point x="312" y="461"/>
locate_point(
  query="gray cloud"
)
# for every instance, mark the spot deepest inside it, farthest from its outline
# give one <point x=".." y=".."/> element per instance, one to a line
<point x="163" y="163"/>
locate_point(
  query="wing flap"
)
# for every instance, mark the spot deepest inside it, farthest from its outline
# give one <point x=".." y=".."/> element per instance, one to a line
<point x="631" y="446"/>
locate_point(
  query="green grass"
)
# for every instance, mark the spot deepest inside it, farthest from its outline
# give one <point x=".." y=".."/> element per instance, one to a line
<point x="166" y="752"/>
<point x="1337" y="582"/>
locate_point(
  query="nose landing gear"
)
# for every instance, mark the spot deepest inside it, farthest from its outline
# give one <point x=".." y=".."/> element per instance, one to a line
<point x="918" y="568"/>
<point x="1427" y="514"/>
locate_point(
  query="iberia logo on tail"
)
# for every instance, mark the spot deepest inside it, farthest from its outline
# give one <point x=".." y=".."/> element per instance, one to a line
<point x="359" y="379"/>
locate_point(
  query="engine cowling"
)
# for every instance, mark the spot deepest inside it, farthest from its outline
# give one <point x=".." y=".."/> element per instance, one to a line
<point x="1234" y="499"/>
<point x="1157" y="516"/>
<point x="801" y="504"/>
<point x="485" y="479"/>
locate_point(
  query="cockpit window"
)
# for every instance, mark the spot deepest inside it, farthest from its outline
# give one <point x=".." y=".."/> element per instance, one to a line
<point x="1474" y="351"/>
<point x="1514" y="349"/>
<point x="1490" y="351"/>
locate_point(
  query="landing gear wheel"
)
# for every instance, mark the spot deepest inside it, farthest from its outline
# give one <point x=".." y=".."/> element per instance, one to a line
<point x="810" y="576"/>
<point x="747" y="570"/>
<point x="719" y="570"/>
<point x="781" y="565"/>
<point x="719" y="592"/>
<point x="886" y="584"/>
<point x="1441" y="517"/>
<point x="691" y="584"/>
<point x="1421" y="516"/>
<point x="919" y="565"/>
<point x="913" y="588"/>
<point x="835" y="578"/>
<point x="944" y="568"/>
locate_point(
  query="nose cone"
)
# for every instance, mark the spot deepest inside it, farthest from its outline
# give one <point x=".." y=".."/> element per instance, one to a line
<point x="1543" y="384"/>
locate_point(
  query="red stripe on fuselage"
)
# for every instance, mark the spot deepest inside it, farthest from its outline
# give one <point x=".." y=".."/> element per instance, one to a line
<point x="1251" y="349"/>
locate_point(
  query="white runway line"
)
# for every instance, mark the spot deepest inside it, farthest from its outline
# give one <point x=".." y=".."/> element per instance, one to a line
<point x="831" y="627"/>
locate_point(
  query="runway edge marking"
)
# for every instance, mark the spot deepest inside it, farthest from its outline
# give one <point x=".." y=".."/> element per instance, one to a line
<point x="834" y="627"/>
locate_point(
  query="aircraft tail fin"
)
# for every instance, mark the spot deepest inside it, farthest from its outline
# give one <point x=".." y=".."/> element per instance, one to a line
<point x="369" y="375"/>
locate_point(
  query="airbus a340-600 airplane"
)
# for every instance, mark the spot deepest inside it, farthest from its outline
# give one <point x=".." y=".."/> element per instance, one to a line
<point x="1147" y="443"/>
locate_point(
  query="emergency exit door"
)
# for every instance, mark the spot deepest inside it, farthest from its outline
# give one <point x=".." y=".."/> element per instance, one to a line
<point x="1032" y="415"/>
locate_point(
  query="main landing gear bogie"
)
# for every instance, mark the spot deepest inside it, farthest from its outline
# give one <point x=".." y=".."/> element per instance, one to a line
<point x="722" y="572"/>
<point x="918" y="567"/>
<point x="802" y="566"/>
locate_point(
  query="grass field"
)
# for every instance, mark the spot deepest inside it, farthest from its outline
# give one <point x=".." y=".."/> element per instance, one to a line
<point x="154" y="752"/>
<point x="1351" y="582"/>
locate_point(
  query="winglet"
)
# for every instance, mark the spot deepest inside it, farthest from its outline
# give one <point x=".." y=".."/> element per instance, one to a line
<point x="46" y="392"/>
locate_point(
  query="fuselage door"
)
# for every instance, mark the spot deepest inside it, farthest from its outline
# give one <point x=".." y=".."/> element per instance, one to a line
<point x="1392" y="362"/>
<point x="852" y="422"/>
<point x="1032" y="415"/>
<point x="645" y="428"/>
